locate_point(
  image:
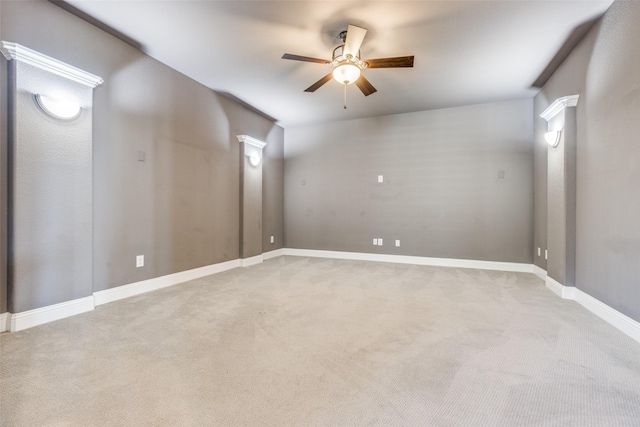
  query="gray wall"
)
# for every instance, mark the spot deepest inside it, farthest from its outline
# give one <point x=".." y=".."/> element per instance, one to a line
<point x="51" y="187"/>
<point x="4" y="175"/>
<point x="179" y="207"/>
<point x="561" y="201"/>
<point x="604" y="70"/>
<point x="251" y="235"/>
<point x="441" y="195"/>
<point x="540" y="185"/>
<point x="273" y="191"/>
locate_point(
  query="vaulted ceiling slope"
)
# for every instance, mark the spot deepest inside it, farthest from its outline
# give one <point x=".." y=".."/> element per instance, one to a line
<point x="466" y="52"/>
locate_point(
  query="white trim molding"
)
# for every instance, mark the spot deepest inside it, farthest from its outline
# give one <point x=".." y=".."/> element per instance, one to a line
<point x="252" y="147"/>
<point x="5" y="319"/>
<point x="625" y="324"/>
<point x="559" y="105"/>
<point x="564" y="292"/>
<point x="40" y="316"/>
<point x="137" y="288"/>
<point x="416" y="260"/>
<point x="272" y="254"/>
<point x="248" y="262"/>
<point x="540" y="272"/>
<point x="52" y="65"/>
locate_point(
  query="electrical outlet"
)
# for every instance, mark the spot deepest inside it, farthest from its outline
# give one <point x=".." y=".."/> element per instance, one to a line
<point x="375" y="242"/>
<point x="379" y="242"/>
<point x="380" y="178"/>
<point x="273" y="240"/>
<point x="397" y="243"/>
<point x="140" y="261"/>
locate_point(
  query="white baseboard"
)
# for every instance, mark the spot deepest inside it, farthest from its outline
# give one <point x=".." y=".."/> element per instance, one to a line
<point x="137" y="288"/>
<point x="5" y="318"/>
<point x="405" y="259"/>
<point x="564" y="292"/>
<point x="19" y="321"/>
<point x="610" y="315"/>
<point x="272" y="254"/>
<point x="39" y="316"/>
<point x="248" y="262"/>
<point x="540" y="272"/>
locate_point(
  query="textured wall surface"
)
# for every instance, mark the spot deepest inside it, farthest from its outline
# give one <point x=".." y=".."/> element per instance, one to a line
<point x="180" y="206"/>
<point x="561" y="202"/>
<point x="251" y="209"/>
<point x="273" y="191"/>
<point x="540" y="184"/>
<point x="3" y="183"/>
<point x="442" y="194"/>
<point x="604" y="70"/>
<point x="51" y="187"/>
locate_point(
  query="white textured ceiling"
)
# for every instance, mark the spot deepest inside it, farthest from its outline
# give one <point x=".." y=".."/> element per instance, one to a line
<point x="466" y="52"/>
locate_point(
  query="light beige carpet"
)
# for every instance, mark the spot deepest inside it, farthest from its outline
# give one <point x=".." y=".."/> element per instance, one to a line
<point x="317" y="342"/>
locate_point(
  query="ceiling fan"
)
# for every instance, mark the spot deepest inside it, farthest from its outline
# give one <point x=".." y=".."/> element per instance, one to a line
<point x="347" y="64"/>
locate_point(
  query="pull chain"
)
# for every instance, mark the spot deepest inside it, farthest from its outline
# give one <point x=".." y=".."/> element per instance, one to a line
<point x="345" y="96"/>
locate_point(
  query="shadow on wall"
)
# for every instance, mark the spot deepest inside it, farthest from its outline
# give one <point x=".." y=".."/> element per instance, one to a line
<point x="165" y="178"/>
<point x="167" y="173"/>
<point x="567" y="47"/>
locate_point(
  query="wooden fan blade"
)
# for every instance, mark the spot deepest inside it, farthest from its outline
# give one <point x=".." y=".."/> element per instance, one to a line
<point x="304" y="58"/>
<point x="355" y="36"/>
<point x="319" y="83"/>
<point x="398" y="62"/>
<point x="364" y="85"/>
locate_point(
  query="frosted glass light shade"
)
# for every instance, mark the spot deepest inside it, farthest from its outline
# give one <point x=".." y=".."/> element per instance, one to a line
<point x="552" y="138"/>
<point x="58" y="108"/>
<point x="254" y="160"/>
<point x="346" y="73"/>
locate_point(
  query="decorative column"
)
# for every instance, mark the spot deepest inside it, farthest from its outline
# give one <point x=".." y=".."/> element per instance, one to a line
<point x="250" y="200"/>
<point x="561" y="195"/>
<point x="51" y="187"/>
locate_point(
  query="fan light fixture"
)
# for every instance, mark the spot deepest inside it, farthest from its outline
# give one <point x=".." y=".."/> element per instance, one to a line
<point x="552" y="138"/>
<point x="58" y="108"/>
<point x="346" y="73"/>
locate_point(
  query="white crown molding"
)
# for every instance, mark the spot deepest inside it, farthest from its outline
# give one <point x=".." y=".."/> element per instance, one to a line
<point x="559" y="105"/>
<point x="20" y="53"/>
<point x="251" y="141"/>
<point x="252" y="146"/>
<point x="416" y="260"/>
<point x="137" y="288"/>
<point x="5" y="319"/>
<point x="39" y="316"/>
